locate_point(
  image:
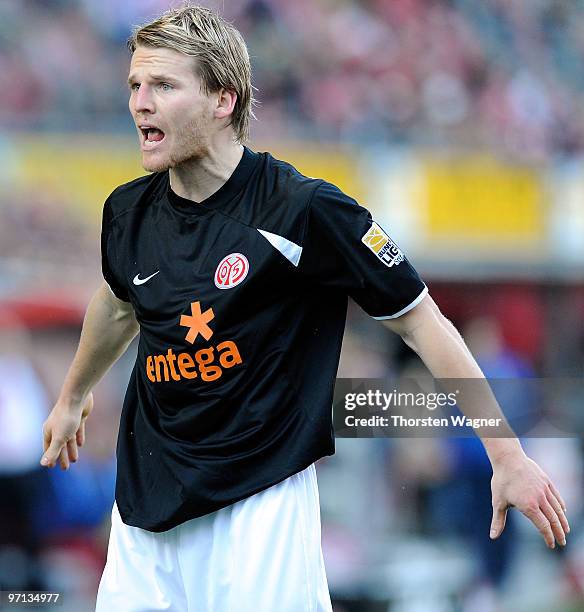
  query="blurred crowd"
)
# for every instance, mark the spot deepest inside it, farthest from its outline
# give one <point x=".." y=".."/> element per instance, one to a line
<point x="41" y="245"/>
<point x="503" y="75"/>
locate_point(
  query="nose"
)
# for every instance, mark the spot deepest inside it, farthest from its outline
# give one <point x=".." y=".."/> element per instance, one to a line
<point x="141" y="100"/>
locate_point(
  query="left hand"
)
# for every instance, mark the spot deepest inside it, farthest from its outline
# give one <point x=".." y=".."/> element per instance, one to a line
<point x="519" y="482"/>
<point x="64" y="431"/>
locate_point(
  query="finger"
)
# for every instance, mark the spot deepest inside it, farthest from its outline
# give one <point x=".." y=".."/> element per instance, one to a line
<point x="558" y="496"/>
<point x="498" y="521"/>
<point x="46" y="438"/>
<point x="80" y="435"/>
<point x="72" y="451"/>
<point x="556" y="505"/>
<point x="555" y="522"/>
<point x="63" y="459"/>
<point x="538" y="518"/>
<point x="52" y="453"/>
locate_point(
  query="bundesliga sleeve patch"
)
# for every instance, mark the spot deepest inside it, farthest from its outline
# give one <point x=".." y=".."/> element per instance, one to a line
<point x="382" y="246"/>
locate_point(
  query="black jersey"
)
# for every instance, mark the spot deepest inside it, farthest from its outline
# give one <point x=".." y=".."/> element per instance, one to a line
<point x="241" y="301"/>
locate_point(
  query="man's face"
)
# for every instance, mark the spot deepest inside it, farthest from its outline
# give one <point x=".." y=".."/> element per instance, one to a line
<point x="173" y="116"/>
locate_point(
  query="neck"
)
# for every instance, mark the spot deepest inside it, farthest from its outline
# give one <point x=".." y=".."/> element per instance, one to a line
<point x="198" y="179"/>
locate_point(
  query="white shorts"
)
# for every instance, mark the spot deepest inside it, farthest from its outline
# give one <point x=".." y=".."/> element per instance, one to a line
<point x="261" y="554"/>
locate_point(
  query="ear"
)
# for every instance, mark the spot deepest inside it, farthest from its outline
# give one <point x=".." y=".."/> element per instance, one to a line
<point x="226" y="99"/>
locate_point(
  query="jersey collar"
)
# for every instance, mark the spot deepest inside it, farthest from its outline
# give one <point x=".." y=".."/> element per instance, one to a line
<point x="228" y="190"/>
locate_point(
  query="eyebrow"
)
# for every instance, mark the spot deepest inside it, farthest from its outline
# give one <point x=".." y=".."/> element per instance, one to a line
<point x="154" y="77"/>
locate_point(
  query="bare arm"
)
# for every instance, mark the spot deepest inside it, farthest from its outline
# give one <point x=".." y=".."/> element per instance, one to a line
<point x="108" y="328"/>
<point x="435" y="339"/>
<point x="517" y="480"/>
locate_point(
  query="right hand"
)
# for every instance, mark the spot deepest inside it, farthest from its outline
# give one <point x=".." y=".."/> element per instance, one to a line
<point x="64" y="432"/>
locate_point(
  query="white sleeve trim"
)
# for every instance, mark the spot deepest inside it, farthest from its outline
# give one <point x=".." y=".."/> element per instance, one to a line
<point x="407" y="308"/>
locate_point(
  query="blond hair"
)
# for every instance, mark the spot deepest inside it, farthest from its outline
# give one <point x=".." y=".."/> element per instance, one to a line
<point x="220" y="51"/>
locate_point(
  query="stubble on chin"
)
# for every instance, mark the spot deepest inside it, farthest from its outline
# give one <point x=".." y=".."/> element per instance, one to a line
<point x="192" y="146"/>
<point x="152" y="166"/>
<point x="193" y="151"/>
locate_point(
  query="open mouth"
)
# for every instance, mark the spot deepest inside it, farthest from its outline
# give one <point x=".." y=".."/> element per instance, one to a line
<point x="151" y="136"/>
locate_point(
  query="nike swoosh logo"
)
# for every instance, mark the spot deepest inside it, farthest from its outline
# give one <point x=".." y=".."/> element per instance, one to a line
<point x="140" y="281"/>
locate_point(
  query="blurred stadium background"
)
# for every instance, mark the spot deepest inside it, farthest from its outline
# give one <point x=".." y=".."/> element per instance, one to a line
<point x="460" y="124"/>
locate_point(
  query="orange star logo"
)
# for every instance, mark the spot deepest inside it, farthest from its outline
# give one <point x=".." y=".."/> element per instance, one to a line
<point x="197" y="322"/>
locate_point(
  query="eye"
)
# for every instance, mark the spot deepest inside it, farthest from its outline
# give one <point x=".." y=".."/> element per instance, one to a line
<point x="134" y="86"/>
<point x="165" y="86"/>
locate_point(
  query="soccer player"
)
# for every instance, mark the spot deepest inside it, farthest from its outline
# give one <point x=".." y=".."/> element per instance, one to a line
<point x="236" y="269"/>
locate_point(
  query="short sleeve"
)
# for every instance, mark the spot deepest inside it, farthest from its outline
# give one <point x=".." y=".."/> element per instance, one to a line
<point x="108" y="257"/>
<point x="344" y="249"/>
